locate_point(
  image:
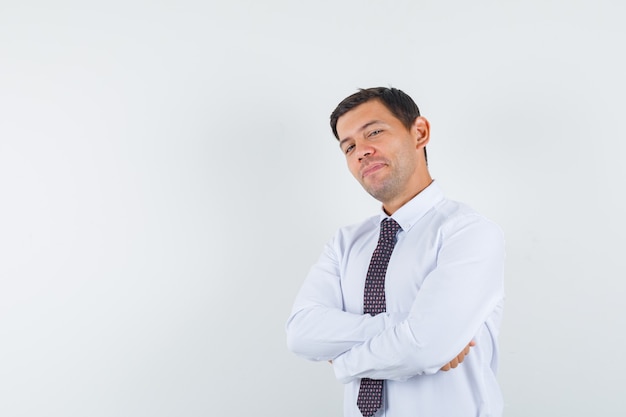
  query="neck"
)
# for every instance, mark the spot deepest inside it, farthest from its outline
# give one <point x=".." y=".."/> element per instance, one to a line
<point x="392" y="206"/>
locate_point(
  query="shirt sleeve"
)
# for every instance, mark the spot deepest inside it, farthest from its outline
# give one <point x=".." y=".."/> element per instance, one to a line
<point x="318" y="327"/>
<point x="455" y="300"/>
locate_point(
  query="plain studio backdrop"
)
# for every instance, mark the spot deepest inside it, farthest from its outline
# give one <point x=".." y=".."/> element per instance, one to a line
<point x="168" y="176"/>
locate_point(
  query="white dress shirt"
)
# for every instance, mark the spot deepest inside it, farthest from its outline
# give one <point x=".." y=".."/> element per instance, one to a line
<point x="444" y="288"/>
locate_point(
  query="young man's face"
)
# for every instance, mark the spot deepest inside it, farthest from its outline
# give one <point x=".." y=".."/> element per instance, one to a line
<point x="382" y="154"/>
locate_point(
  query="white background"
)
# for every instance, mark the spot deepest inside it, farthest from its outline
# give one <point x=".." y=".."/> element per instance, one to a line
<point x="168" y="176"/>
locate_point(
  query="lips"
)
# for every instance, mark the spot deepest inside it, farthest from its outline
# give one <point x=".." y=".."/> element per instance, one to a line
<point x="371" y="168"/>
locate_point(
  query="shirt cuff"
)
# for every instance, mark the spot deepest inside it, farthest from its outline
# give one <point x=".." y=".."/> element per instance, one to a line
<point x="341" y="372"/>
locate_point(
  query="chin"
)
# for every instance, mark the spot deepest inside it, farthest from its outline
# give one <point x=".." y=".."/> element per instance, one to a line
<point x="378" y="194"/>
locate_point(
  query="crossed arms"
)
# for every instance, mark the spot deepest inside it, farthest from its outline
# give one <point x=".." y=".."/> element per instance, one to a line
<point x="454" y="301"/>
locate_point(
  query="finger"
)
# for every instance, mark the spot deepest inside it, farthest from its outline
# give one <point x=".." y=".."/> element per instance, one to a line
<point x="472" y="343"/>
<point x="446" y="368"/>
<point x="454" y="363"/>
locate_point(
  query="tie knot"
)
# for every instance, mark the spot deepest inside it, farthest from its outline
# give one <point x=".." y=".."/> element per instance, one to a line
<point x="388" y="229"/>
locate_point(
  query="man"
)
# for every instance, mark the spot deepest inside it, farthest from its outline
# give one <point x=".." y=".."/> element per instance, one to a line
<point x="394" y="299"/>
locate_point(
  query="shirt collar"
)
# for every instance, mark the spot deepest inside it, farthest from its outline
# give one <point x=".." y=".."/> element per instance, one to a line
<point x="418" y="206"/>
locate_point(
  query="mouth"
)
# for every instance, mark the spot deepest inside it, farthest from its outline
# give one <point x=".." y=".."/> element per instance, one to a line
<point x="371" y="168"/>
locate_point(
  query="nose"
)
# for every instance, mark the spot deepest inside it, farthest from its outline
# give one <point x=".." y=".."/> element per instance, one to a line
<point x="363" y="151"/>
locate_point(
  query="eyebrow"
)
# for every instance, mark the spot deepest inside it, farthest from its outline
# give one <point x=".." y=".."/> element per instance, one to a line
<point x="365" y="126"/>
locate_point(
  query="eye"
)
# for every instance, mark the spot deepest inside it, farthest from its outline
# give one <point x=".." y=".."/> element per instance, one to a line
<point x="348" y="149"/>
<point x="375" y="132"/>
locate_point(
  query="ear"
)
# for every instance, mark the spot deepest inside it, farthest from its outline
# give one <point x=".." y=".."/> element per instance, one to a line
<point x="421" y="131"/>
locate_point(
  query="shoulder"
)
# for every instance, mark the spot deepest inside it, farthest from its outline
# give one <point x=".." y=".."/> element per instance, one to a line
<point x="454" y="216"/>
<point x="355" y="231"/>
<point x="352" y="234"/>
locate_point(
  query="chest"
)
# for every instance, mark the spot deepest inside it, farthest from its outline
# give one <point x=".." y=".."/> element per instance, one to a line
<point x="413" y="258"/>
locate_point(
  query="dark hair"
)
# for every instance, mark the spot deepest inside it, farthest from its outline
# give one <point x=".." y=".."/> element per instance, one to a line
<point x="397" y="102"/>
<point x="400" y="104"/>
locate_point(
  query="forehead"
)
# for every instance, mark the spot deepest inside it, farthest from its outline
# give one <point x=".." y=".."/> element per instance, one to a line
<point x="364" y="114"/>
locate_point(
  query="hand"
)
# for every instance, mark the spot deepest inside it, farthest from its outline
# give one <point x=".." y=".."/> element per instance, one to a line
<point x="460" y="357"/>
